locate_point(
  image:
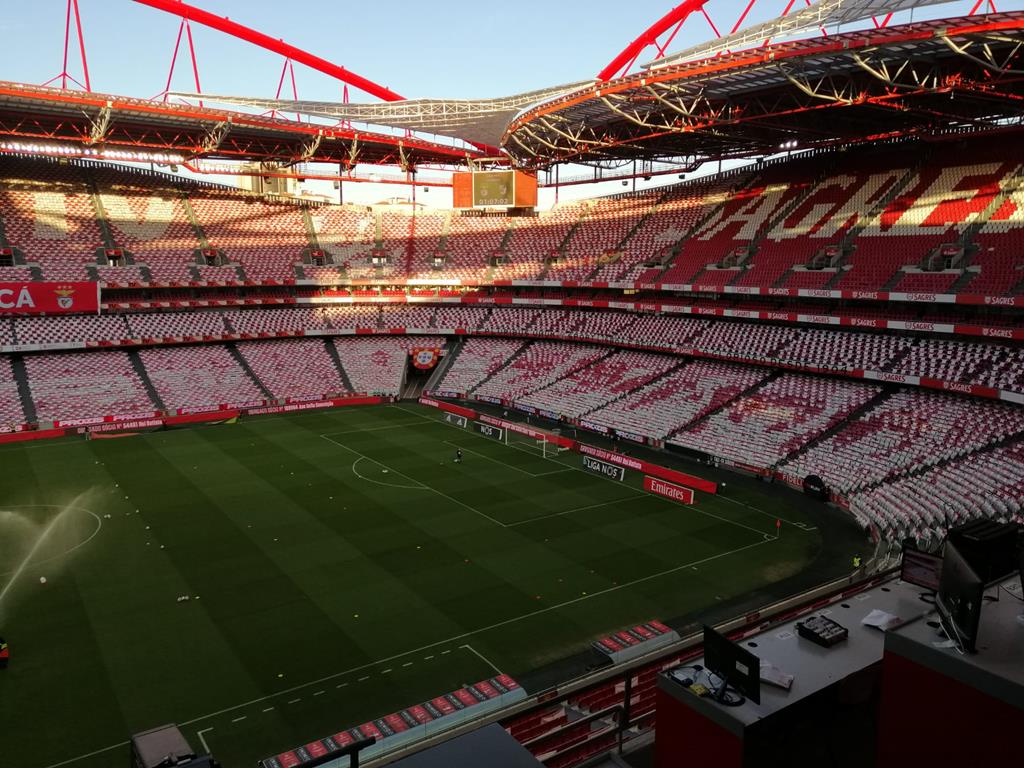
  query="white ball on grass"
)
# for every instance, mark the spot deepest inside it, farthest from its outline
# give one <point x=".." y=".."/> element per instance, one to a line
<point x="42" y="579"/>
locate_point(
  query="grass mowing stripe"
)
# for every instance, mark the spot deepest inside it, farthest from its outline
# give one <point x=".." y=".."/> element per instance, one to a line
<point x="474" y="510"/>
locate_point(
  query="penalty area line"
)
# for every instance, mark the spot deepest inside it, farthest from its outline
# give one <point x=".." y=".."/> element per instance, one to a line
<point x="456" y="638"/>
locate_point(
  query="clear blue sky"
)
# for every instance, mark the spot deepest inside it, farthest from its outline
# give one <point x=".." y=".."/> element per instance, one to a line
<point x="454" y="48"/>
<point x="444" y="48"/>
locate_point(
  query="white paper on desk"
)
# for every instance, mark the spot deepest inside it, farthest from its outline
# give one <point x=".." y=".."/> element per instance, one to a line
<point x="775" y="676"/>
<point x="881" y="619"/>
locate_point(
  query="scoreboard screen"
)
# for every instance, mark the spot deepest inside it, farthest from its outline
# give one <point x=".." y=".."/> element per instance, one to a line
<point x="494" y="189"/>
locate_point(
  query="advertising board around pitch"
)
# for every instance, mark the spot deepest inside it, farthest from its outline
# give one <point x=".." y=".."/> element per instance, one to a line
<point x="457" y="420"/>
<point x="669" y="490"/>
<point x="487" y="430"/>
<point x="603" y="468"/>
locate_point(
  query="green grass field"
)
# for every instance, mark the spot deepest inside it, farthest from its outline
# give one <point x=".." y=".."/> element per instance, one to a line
<point x="342" y="567"/>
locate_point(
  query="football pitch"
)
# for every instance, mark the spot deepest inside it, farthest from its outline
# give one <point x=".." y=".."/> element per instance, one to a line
<point x="339" y="566"/>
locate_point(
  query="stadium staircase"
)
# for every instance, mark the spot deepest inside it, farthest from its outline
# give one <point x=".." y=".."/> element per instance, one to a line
<point x="848" y="244"/>
<point x="642" y="385"/>
<point x="453" y="350"/>
<point x="621" y="245"/>
<point x="769" y="225"/>
<point x="507" y="363"/>
<point x="900" y="356"/>
<point x="560" y="248"/>
<point x="901" y="473"/>
<point x="244" y="365"/>
<point x="342" y="374"/>
<point x="147" y="383"/>
<point x="412" y="389"/>
<point x="726" y="403"/>
<point x="28" y="405"/>
<point x="839" y="426"/>
<point x="677" y="247"/>
<point x="197" y="230"/>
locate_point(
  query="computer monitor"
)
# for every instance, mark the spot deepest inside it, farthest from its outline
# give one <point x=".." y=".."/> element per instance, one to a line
<point x="738" y="668"/>
<point x="921" y="569"/>
<point x="959" y="598"/>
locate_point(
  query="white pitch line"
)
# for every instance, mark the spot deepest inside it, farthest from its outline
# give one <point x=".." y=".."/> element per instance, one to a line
<point x="294" y="701"/>
<point x="408" y="664"/>
<point x="578" y="509"/>
<point x="375" y="429"/>
<point x="802" y="526"/>
<point x="423" y="487"/>
<point x="483" y="658"/>
<point x="269" y="709"/>
<point x="239" y="719"/>
<point x="508" y="466"/>
<point x="428" y="646"/>
<point x="694" y="508"/>
<point x="202" y="739"/>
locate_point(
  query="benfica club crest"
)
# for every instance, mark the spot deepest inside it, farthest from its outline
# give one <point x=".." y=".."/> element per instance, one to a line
<point x="425" y="358"/>
<point x="65" y="296"/>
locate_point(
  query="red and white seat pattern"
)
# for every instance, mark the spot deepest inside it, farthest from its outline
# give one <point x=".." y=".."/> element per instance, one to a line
<point x="199" y="377"/>
<point x="266" y="239"/>
<point x="540" y="364"/>
<point x="1000" y="254"/>
<point x="470" y="242"/>
<point x="346" y="235"/>
<point x="352" y="316"/>
<point x="148" y="219"/>
<point x="403" y="316"/>
<point x="86" y="385"/>
<point x="676" y="332"/>
<point x="669" y="404"/>
<point x="908" y="431"/>
<point x="842" y="350"/>
<point x="947" y="360"/>
<point x="1007" y="373"/>
<point x="11" y="413"/>
<point x="162" y="325"/>
<point x="78" y="328"/>
<point x="748" y="340"/>
<point x="6" y="331"/>
<point x="938" y="204"/>
<point x="822" y="218"/>
<point x="294" y="368"/>
<point x="677" y="213"/>
<point x="376" y="365"/>
<point x="477" y="360"/>
<point x="510" y="320"/>
<point x="48" y="214"/>
<point x="460" y="317"/>
<point x="767" y="425"/>
<point x="533" y="240"/>
<point x="290" y="319"/>
<point x="587" y="389"/>
<point x="604" y="224"/>
<point x="987" y="484"/>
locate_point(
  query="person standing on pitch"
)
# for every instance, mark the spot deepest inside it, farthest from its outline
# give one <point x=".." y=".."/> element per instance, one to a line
<point x="458" y="455"/>
<point x="5" y="653"/>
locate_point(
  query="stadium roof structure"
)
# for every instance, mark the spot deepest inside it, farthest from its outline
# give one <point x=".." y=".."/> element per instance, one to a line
<point x="813" y="19"/>
<point x="56" y="121"/>
<point x="479" y="121"/>
<point x="917" y="79"/>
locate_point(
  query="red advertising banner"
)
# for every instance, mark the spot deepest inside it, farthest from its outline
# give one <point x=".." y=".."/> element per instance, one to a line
<point x="629" y="462"/>
<point x="667" y="489"/>
<point x="49" y="298"/>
